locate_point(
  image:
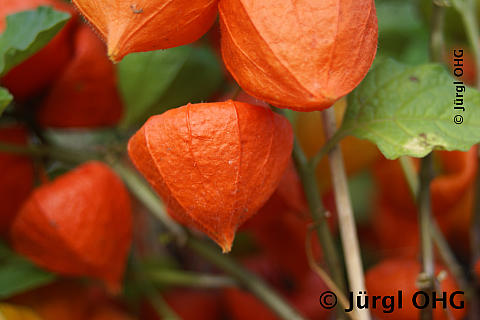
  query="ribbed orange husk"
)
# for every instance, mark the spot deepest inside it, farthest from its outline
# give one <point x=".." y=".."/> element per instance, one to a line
<point x="214" y="164"/>
<point x="303" y="55"/>
<point x="71" y="300"/>
<point x="80" y="224"/>
<point x="457" y="175"/>
<point x="85" y="94"/>
<point x="401" y="274"/>
<point x="146" y="25"/>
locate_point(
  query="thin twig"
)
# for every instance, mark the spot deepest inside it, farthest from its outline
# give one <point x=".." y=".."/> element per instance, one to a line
<point x="319" y="215"/>
<point x="468" y="12"/>
<point x="317" y="211"/>
<point x="446" y="253"/>
<point x="253" y="283"/>
<point x="145" y="194"/>
<point x="346" y="220"/>
<point x="159" y="304"/>
<point x="325" y="277"/>
<point x="327" y="147"/>
<point x="474" y="310"/>
<point x="437" y="42"/>
<point x="426" y="278"/>
<point x="189" y="279"/>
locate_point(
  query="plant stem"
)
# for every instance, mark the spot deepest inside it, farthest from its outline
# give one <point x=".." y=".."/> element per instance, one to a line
<point x="427" y="277"/>
<point x="346" y="220"/>
<point x="327" y="147"/>
<point x="36" y="151"/>
<point x="253" y="283"/>
<point x="475" y="230"/>
<point x="475" y="247"/>
<point x="437" y="43"/>
<point x="319" y="215"/>
<point x="467" y="9"/>
<point x="425" y="217"/>
<point x="189" y="279"/>
<point x="441" y="243"/>
<point x="448" y="257"/>
<point x="411" y="176"/>
<point x="148" y="197"/>
<point x="161" y="307"/>
<point x="326" y="278"/>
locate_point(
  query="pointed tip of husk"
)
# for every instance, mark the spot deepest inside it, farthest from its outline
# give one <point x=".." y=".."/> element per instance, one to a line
<point x="226" y="248"/>
<point x="227" y="242"/>
<point x="114" y="56"/>
<point x="115" y="52"/>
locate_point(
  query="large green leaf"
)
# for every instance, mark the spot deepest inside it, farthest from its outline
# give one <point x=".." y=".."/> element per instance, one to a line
<point x="5" y="99"/>
<point x="199" y="78"/>
<point x="151" y="82"/>
<point x="18" y="275"/>
<point x="26" y="33"/>
<point x="145" y="76"/>
<point x="409" y="111"/>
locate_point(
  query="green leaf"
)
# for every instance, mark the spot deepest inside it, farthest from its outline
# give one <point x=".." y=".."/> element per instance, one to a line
<point x="27" y="32"/>
<point x="402" y="35"/>
<point x="5" y="99"/>
<point x="410" y="111"/>
<point x="145" y="76"/>
<point x="18" y="275"/>
<point x="199" y="78"/>
<point x="151" y="82"/>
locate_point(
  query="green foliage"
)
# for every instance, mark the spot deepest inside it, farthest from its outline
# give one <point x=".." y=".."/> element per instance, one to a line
<point x="402" y="35"/>
<point x="18" y="275"/>
<point x="409" y="111"/>
<point x="454" y="32"/>
<point x="152" y="82"/>
<point x="27" y="32"/>
<point x="5" y="99"/>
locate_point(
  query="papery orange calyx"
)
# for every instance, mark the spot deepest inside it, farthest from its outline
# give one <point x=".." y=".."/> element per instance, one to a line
<point x="214" y="164"/>
<point x="78" y="225"/>
<point x="136" y="26"/>
<point x="302" y="55"/>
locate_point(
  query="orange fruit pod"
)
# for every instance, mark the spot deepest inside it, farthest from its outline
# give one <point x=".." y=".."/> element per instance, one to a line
<point x="467" y="65"/>
<point x="69" y="300"/>
<point x="298" y="55"/>
<point x="392" y="275"/>
<point x="85" y="94"/>
<point x="476" y="269"/>
<point x="39" y="71"/>
<point x="14" y="312"/>
<point x="214" y="164"/>
<point x="455" y="175"/>
<point x="78" y="225"/>
<point x="138" y="26"/>
<point x="390" y="224"/>
<point x="17" y="176"/>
